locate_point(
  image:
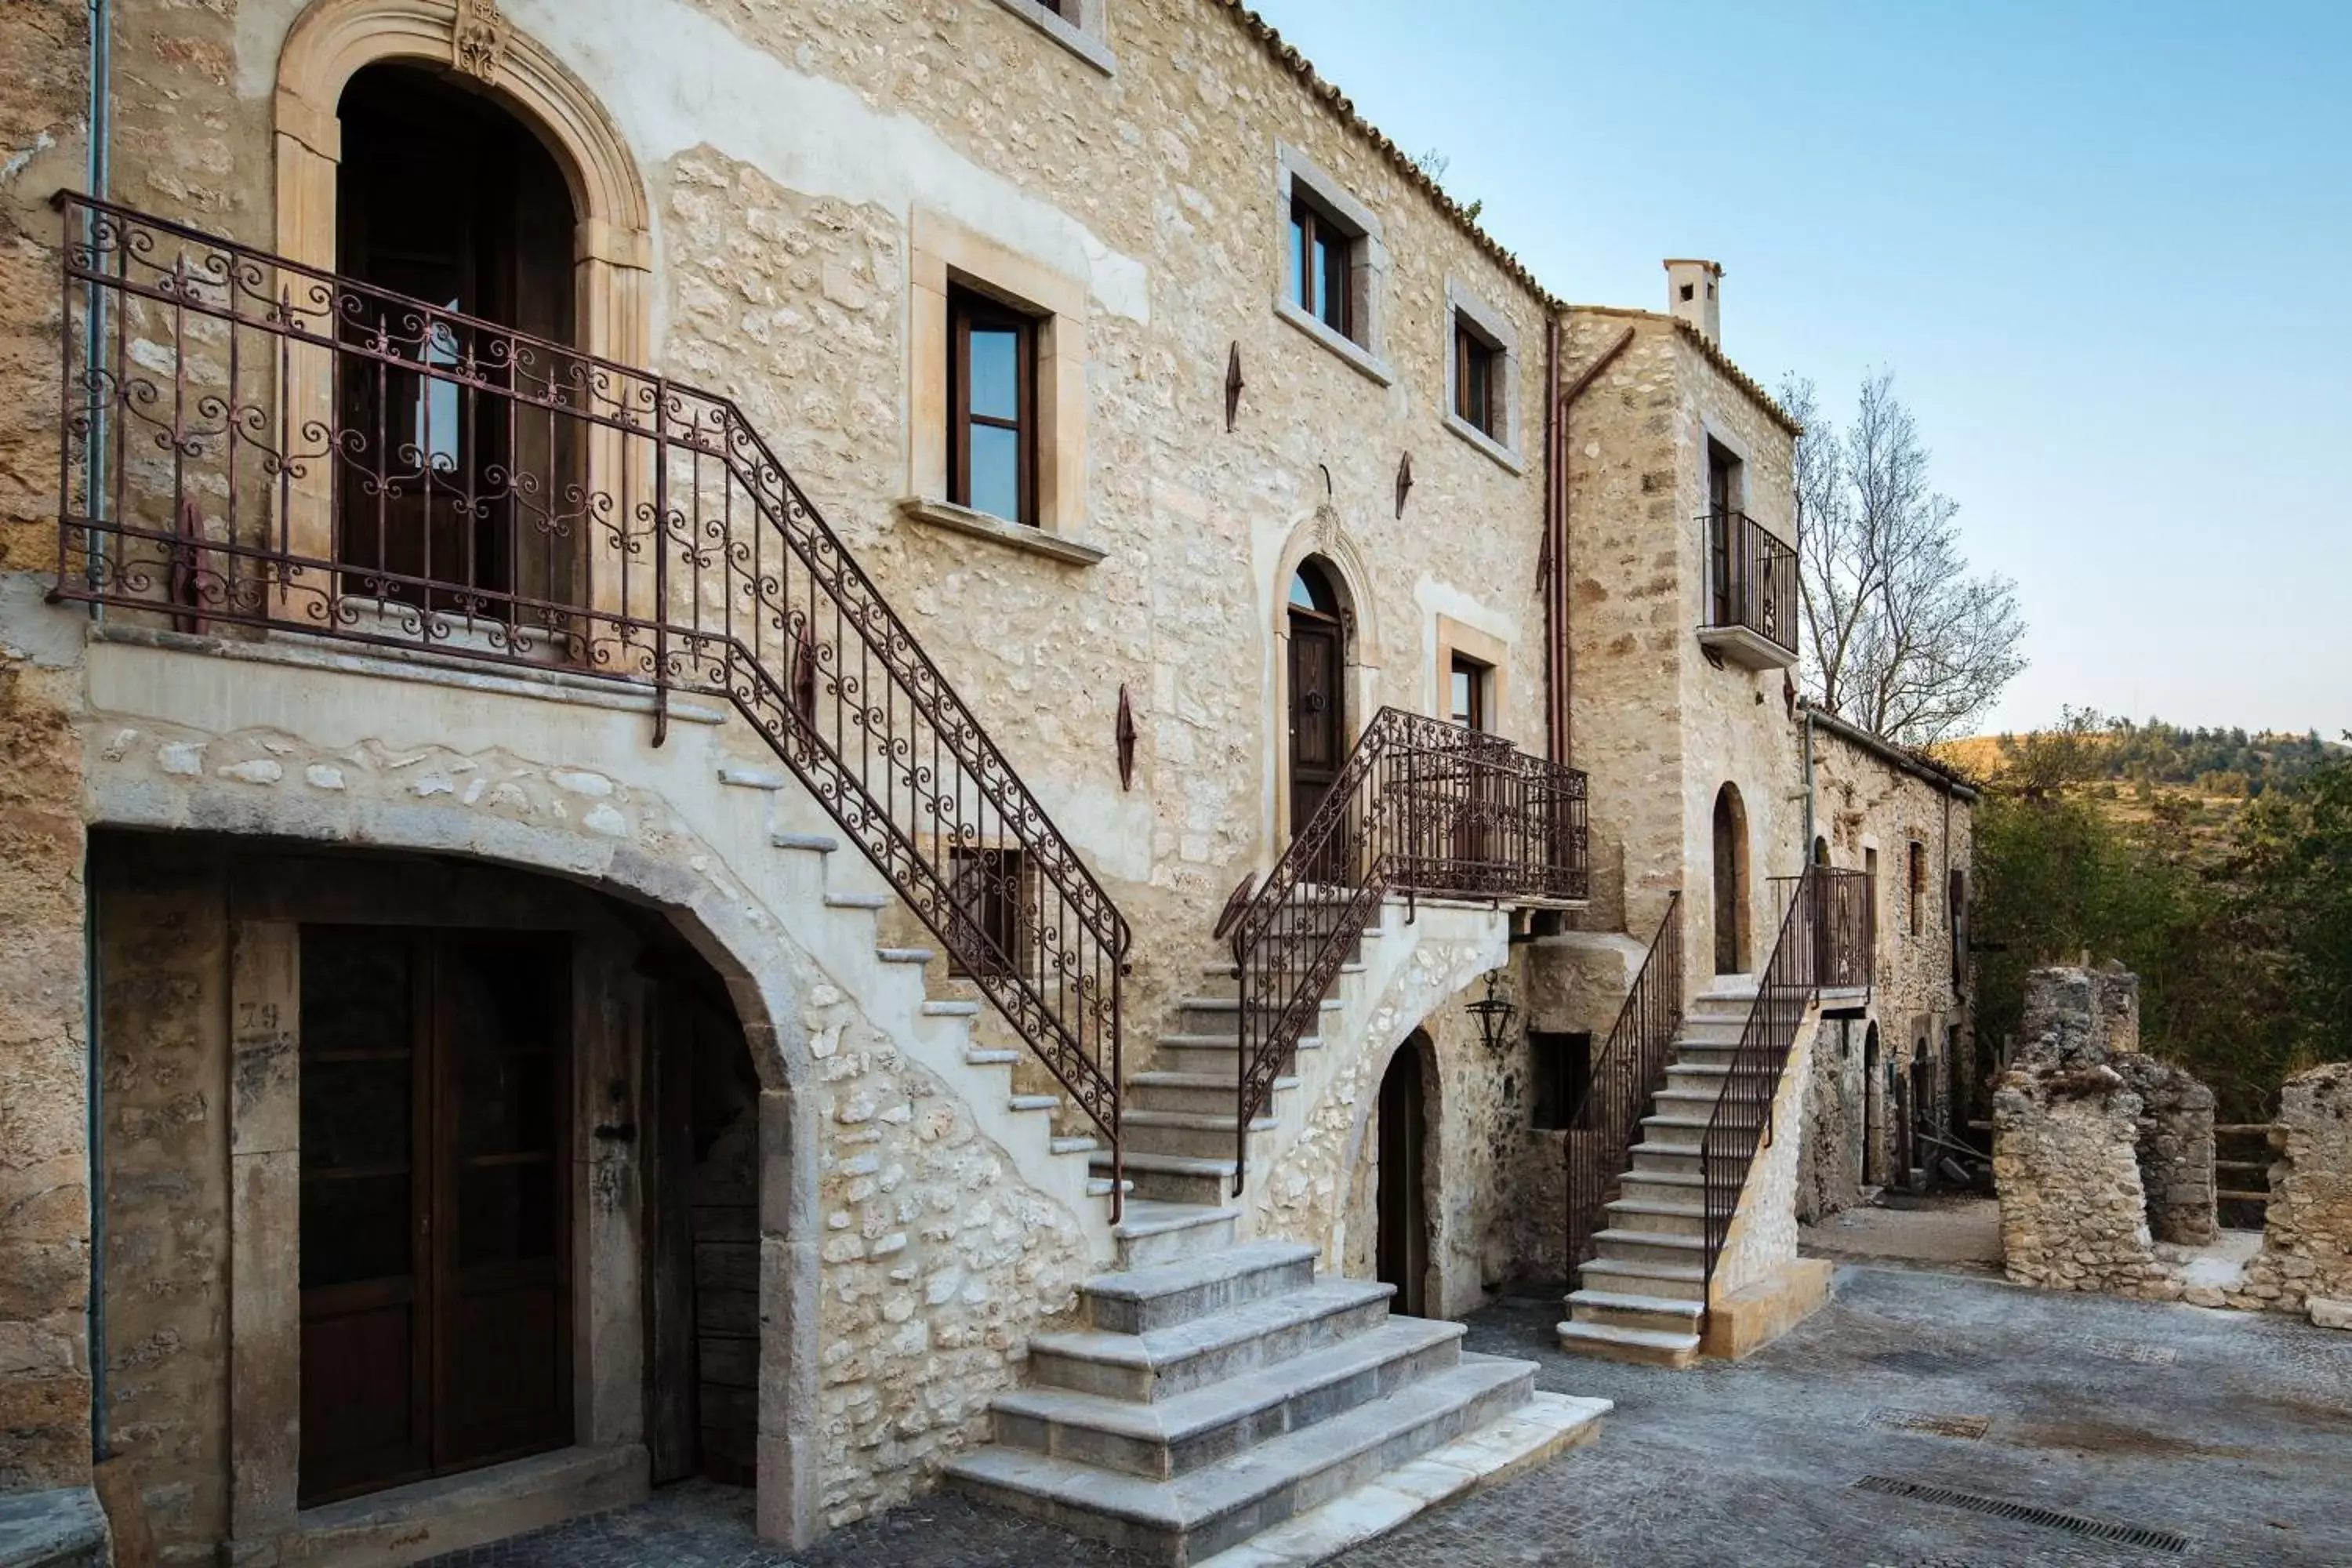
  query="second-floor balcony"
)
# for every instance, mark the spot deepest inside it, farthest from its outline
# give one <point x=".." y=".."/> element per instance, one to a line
<point x="1751" y="592"/>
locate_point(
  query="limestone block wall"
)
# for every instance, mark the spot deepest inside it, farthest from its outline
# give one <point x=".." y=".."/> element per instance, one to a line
<point x="43" y="1187"/>
<point x="1865" y="799"/>
<point x="2307" y="1236"/>
<point x="1661" y="728"/>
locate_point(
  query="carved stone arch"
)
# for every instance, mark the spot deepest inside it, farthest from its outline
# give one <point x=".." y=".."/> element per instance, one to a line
<point x="1316" y="536"/>
<point x="1319" y="533"/>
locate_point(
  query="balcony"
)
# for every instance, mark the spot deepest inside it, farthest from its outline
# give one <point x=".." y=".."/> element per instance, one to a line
<point x="1751" y="593"/>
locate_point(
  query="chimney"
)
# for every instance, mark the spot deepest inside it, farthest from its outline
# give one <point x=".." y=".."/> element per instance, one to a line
<point x="1695" y="292"/>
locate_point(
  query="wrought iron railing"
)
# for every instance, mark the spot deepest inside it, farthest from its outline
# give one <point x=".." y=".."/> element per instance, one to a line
<point x="1741" y="1120"/>
<point x="1751" y="578"/>
<point x="1421" y="806"/>
<point x="1846" y="912"/>
<point x="255" y="446"/>
<point x="1604" y="1123"/>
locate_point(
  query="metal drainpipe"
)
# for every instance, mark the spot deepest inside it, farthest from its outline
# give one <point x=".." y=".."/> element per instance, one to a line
<point x="1807" y="857"/>
<point x="99" y="179"/>
<point x="101" y="131"/>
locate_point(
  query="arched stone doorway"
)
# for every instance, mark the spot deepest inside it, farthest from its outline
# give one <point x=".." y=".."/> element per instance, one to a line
<point x="1730" y="882"/>
<point x="1403" y="1250"/>
<point x="1317" y="720"/>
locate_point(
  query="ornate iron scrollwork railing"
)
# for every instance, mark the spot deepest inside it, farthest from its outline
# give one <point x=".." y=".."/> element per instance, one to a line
<point x="1420" y="807"/>
<point x="1751" y="578"/>
<point x="1604" y="1124"/>
<point x="251" y="445"/>
<point x="1813" y="950"/>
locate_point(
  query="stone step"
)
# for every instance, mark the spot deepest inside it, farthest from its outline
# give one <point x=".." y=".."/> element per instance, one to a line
<point x="1675" y="1217"/>
<point x="1207" y="1055"/>
<point x="1168" y="1361"/>
<point x="1176" y="1178"/>
<point x="1074" y="1143"/>
<point x="741" y="775"/>
<point x="1099" y="1187"/>
<point x="1683" y="1281"/>
<point x="1687" y="1134"/>
<point x="1625" y="1309"/>
<point x="981" y="1056"/>
<point x="1204" y="1136"/>
<point x="1653" y="1347"/>
<point x="1222" y="1014"/>
<point x="1697" y="1103"/>
<point x="1176" y="1435"/>
<point x="1202" y="1092"/>
<point x="1153" y="1232"/>
<point x="1650" y="1246"/>
<point x="813" y="843"/>
<point x="1034" y="1102"/>
<point x="917" y="955"/>
<point x="1663" y="1186"/>
<point x="1138" y="1300"/>
<point x="948" y="1008"/>
<point x="1222" y="1504"/>
<point x="875" y="901"/>
<point x="1667" y="1159"/>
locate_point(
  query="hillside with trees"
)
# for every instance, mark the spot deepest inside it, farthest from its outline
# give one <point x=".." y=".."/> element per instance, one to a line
<point x="2215" y="864"/>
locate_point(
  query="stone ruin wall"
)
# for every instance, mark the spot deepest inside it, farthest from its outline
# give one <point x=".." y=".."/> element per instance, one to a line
<point x="2099" y="1150"/>
<point x="2307" y="1257"/>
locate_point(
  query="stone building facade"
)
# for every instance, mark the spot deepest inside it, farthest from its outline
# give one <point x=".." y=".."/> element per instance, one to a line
<point x="730" y="1066"/>
<point x="1905" y="1065"/>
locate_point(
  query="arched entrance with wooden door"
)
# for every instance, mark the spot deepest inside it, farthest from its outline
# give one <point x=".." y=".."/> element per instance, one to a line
<point x="1730" y="882"/>
<point x="1403" y="1250"/>
<point x="457" y="484"/>
<point x="1317" y="723"/>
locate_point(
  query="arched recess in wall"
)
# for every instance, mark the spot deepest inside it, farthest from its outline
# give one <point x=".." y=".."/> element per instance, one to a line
<point x="1730" y="881"/>
<point x="1318" y="573"/>
<point x="334" y="39"/>
<point x="1405" y="1245"/>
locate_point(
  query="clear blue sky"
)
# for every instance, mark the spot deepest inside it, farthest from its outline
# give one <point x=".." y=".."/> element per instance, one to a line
<point x="2106" y="248"/>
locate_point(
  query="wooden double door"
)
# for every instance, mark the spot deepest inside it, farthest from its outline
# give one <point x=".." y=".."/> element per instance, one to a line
<point x="435" y="1244"/>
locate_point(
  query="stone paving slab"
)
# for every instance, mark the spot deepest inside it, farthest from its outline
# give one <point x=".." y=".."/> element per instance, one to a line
<point x="2232" y="1430"/>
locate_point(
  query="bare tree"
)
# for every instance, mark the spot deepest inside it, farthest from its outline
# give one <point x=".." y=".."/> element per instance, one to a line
<point x="1900" y="636"/>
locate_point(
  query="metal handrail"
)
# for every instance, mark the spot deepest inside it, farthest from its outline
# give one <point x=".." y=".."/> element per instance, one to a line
<point x="1741" y="1120"/>
<point x="1751" y="579"/>
<point x="1602" y="1125"/>
<point x="1420" y="807"/>
<point x="253" y="445"/>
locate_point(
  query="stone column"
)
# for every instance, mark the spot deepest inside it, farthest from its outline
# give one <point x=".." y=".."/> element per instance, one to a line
<point x="264" y="1095"/>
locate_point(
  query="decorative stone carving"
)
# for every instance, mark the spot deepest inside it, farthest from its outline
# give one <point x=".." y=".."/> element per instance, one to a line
<point x="477" y="40"/>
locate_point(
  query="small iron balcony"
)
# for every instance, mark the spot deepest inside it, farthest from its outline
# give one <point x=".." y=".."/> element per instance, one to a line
<point x="1751" y="592"/>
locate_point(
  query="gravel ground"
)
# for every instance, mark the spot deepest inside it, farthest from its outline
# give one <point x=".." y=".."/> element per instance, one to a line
<point x="2228" y="1436"/>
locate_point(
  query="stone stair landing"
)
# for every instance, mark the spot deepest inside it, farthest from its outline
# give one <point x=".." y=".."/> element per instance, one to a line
<point x="1214" y="1392"/>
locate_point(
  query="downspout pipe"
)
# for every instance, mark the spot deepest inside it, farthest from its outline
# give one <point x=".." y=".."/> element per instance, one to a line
<point x="100" y="130"/>
<point x="1558" y="613"/>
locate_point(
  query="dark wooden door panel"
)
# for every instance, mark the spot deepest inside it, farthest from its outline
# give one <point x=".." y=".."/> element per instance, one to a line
<point x="435" y="1241"/>
<point x="1317" y="712"/>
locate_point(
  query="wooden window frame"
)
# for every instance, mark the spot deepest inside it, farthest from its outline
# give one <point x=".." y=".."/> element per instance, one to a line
<point x="1310" y="287"/>
<point x="1481" y="705"/>
<point x="967" y="309"/>
<point x="1478" y="367"/>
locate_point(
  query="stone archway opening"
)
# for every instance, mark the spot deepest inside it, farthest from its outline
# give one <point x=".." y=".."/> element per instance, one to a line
<point x="490" y="1192"/>
<point x="1407" y="1161"/>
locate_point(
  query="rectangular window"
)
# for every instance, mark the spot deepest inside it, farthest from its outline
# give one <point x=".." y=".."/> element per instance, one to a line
<point x="990" y="886"/>
<point x="1467" y="692"/>
<point x="992" y="408"/>
<point x="1477" y="380"/>
<point x="1322" y="267"/>
<point x="1563" y="1081"/>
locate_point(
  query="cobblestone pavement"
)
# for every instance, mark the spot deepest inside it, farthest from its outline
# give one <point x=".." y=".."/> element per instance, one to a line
<point x="2230" y="1433"/>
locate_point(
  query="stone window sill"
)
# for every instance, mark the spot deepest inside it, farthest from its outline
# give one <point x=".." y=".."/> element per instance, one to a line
<point x="1486" y="443"/>
<point x="933" y="513"/>
<point x="1361" y="359"/>
<point x="1071" y="36"/>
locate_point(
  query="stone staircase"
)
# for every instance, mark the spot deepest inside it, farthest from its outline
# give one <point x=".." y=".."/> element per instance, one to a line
<point x="1643" y="1295"/>
<point x="1218" y="1393"/>
<point x="1181" y="1118"/>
